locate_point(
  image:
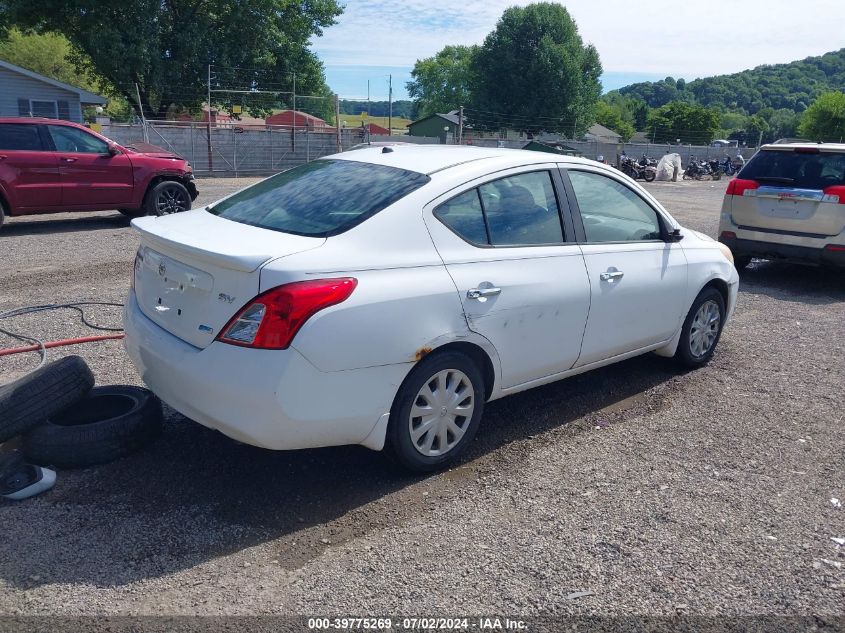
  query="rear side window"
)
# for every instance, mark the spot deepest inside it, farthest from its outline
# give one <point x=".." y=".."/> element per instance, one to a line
<point x="20" y="137"/>
<point x="796" y="169"/>
<point x="321" y="198"/>
<point x="519" y="210"/>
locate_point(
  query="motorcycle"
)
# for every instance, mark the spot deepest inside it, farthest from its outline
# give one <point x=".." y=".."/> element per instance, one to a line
<point x="715" y="169"/>
<point x="637" y="170"/>
<point x="698" y="170"/>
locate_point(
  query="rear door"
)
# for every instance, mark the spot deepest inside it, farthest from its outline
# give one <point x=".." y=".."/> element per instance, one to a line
<point x="795" y="191"/>
<point x="91" y="176"/>
<point x="638" y="280"/>
<point x="29" y="172"/>
<point x="522" y="285"/>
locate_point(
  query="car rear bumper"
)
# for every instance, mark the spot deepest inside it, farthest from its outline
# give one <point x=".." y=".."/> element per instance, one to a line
<point x="274" y="399"/>
<point x="772" y="250"/>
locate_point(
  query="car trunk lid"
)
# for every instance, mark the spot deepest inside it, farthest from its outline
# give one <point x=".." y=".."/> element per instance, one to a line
<point x="194" y="270"/>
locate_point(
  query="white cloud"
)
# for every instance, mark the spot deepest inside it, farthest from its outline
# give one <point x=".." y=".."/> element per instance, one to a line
<point x="693" y="39"/>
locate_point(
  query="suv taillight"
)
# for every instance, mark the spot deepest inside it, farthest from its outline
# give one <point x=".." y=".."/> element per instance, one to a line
<point x="836" y="193"/>
<point x="272" y="319"/>
<point x="738" y="187"/>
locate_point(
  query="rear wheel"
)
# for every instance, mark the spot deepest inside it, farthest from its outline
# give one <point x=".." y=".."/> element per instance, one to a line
<point x="436" y="412"/>
<point x="167" y="197"/>
<point x="702" y="329"/>
<point x="2" y="214"/>
<point x="649" y="175"/>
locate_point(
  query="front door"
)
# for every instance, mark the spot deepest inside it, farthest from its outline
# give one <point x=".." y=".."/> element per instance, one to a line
<point x="28" y="172"/>
<point x="522" y="286"/>
<point x="638" y="278"/>
<point x="91" y="176"/>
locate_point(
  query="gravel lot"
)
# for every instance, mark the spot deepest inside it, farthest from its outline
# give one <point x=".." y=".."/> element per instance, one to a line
<point x="656" y="491"/>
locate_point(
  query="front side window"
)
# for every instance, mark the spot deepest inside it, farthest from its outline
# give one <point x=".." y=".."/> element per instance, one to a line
<point x="20" y="137"/>
<point x="321" y="198"/>
<point x="71" y="139"/>
<point x="518" y="210"/>
<point x="611" y="212"/>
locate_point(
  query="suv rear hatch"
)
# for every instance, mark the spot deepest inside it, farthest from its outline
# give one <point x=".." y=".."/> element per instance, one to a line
<point x="791" y="190"/>
<point x="195" y="270"/>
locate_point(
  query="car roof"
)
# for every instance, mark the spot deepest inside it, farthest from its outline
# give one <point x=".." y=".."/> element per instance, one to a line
<point x="428" y="159"/>
<point x="788" y="147"/>
<point x="36" y="120"/>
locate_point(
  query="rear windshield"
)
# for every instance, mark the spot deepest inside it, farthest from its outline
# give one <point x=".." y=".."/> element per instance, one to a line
<point x="796" y="169"/>
<point x="321" y="198"/>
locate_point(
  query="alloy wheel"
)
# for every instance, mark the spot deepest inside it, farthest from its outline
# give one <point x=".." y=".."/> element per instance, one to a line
<point x="171" y="200"/>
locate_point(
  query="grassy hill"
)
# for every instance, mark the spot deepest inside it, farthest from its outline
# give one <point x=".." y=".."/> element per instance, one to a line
<point x="791" y="86"/>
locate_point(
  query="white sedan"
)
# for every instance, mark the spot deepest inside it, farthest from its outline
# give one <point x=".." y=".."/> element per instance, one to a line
<point x="381" y="297"/>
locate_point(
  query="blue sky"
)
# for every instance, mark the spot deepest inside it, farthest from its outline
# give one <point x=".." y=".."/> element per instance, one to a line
<point x="636" y="41"/>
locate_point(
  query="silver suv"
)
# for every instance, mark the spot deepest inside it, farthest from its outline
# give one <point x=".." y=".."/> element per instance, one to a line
<point x="788" y="202"/>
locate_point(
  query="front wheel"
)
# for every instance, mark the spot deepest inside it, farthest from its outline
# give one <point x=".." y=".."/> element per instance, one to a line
<point x="167" y="197"/>
<point x="702" y="329"/>
<point x="436" y="411"/>
<point x="649" y="175"/>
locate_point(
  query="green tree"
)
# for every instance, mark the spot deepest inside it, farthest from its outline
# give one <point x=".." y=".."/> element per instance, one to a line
<point x="678" y="120"/>
<point x="824" y="120"/>
<point x="442" y="83"/>
<point x="164" y="47"/>
<point x="534" y="72"/>
<point x="611" y="117"/>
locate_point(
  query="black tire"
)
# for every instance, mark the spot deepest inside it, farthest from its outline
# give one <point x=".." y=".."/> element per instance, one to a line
<point x="399" y="438"/>
<point x="685" y="354"/>
<point x="741" y="262"/>
<point x="168" y="196"/>
<point x="649" y="175"/>
<point x="110" y="423"/>
<point x="2" y="214"/>
<point x="29" y="401"/>
<point x="133" y="213"/>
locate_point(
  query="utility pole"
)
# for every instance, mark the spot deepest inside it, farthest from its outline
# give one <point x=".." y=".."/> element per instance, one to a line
<point x="460" y="125"/>
<point x="208" y="123"/>
<point x="390" y="105"/>
<point x="293" y="136"/>
<point x="575" y="128"/>
<point x="141" y="110"/>
<point x="337" y="122"/>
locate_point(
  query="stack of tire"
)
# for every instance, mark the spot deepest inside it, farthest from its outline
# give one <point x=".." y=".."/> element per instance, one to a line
<point x="67" y="422"/>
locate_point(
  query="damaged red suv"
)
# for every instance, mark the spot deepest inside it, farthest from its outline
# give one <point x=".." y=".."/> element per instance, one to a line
<point x="48" y="166"/>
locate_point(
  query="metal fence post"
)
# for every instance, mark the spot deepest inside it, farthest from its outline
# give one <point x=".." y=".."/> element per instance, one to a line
<point x="234" y="152"/>
<point x="307" y="147"/>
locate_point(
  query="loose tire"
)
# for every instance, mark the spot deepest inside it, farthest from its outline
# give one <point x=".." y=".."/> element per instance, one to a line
<point x="702" y="329"/>
<point x="133" y="213"/>
<point x="436" y="412"/>
<point x="109" y="423"/>
<point x="167" y="197"/>
<point x="29" y="401"/>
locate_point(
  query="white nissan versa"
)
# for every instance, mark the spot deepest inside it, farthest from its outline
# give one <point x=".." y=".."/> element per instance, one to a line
<point x="382" y="296"/>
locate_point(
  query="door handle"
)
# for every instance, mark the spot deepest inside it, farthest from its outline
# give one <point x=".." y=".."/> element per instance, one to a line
<point x="611" y="276"/>
<point x="483" y="293"/>
<point x="68" y="160"/>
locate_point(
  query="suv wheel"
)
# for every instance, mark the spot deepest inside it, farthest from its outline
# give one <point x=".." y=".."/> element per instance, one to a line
<point x="167" y="197"/>
<point x="2" y="214"/>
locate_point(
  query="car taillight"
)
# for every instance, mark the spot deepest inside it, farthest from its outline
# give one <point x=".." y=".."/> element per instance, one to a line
<point x="272" y="319"/>
<point x="835" y="193"/>
<point x="835" y="248"/>
<point x="738" y="187"/>
<point x="727" y="235"/>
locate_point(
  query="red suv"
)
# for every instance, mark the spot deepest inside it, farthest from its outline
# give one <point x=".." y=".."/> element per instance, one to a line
<point x="47" y="166"/>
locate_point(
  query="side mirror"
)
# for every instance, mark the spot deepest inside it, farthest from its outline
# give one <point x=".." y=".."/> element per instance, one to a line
<point x="113" y="150"/>
<point x="675" y="236"/>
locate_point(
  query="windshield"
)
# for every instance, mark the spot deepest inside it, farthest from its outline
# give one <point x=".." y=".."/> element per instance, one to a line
<point x="801" y="170"/>
<point x="321" y="198"/>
